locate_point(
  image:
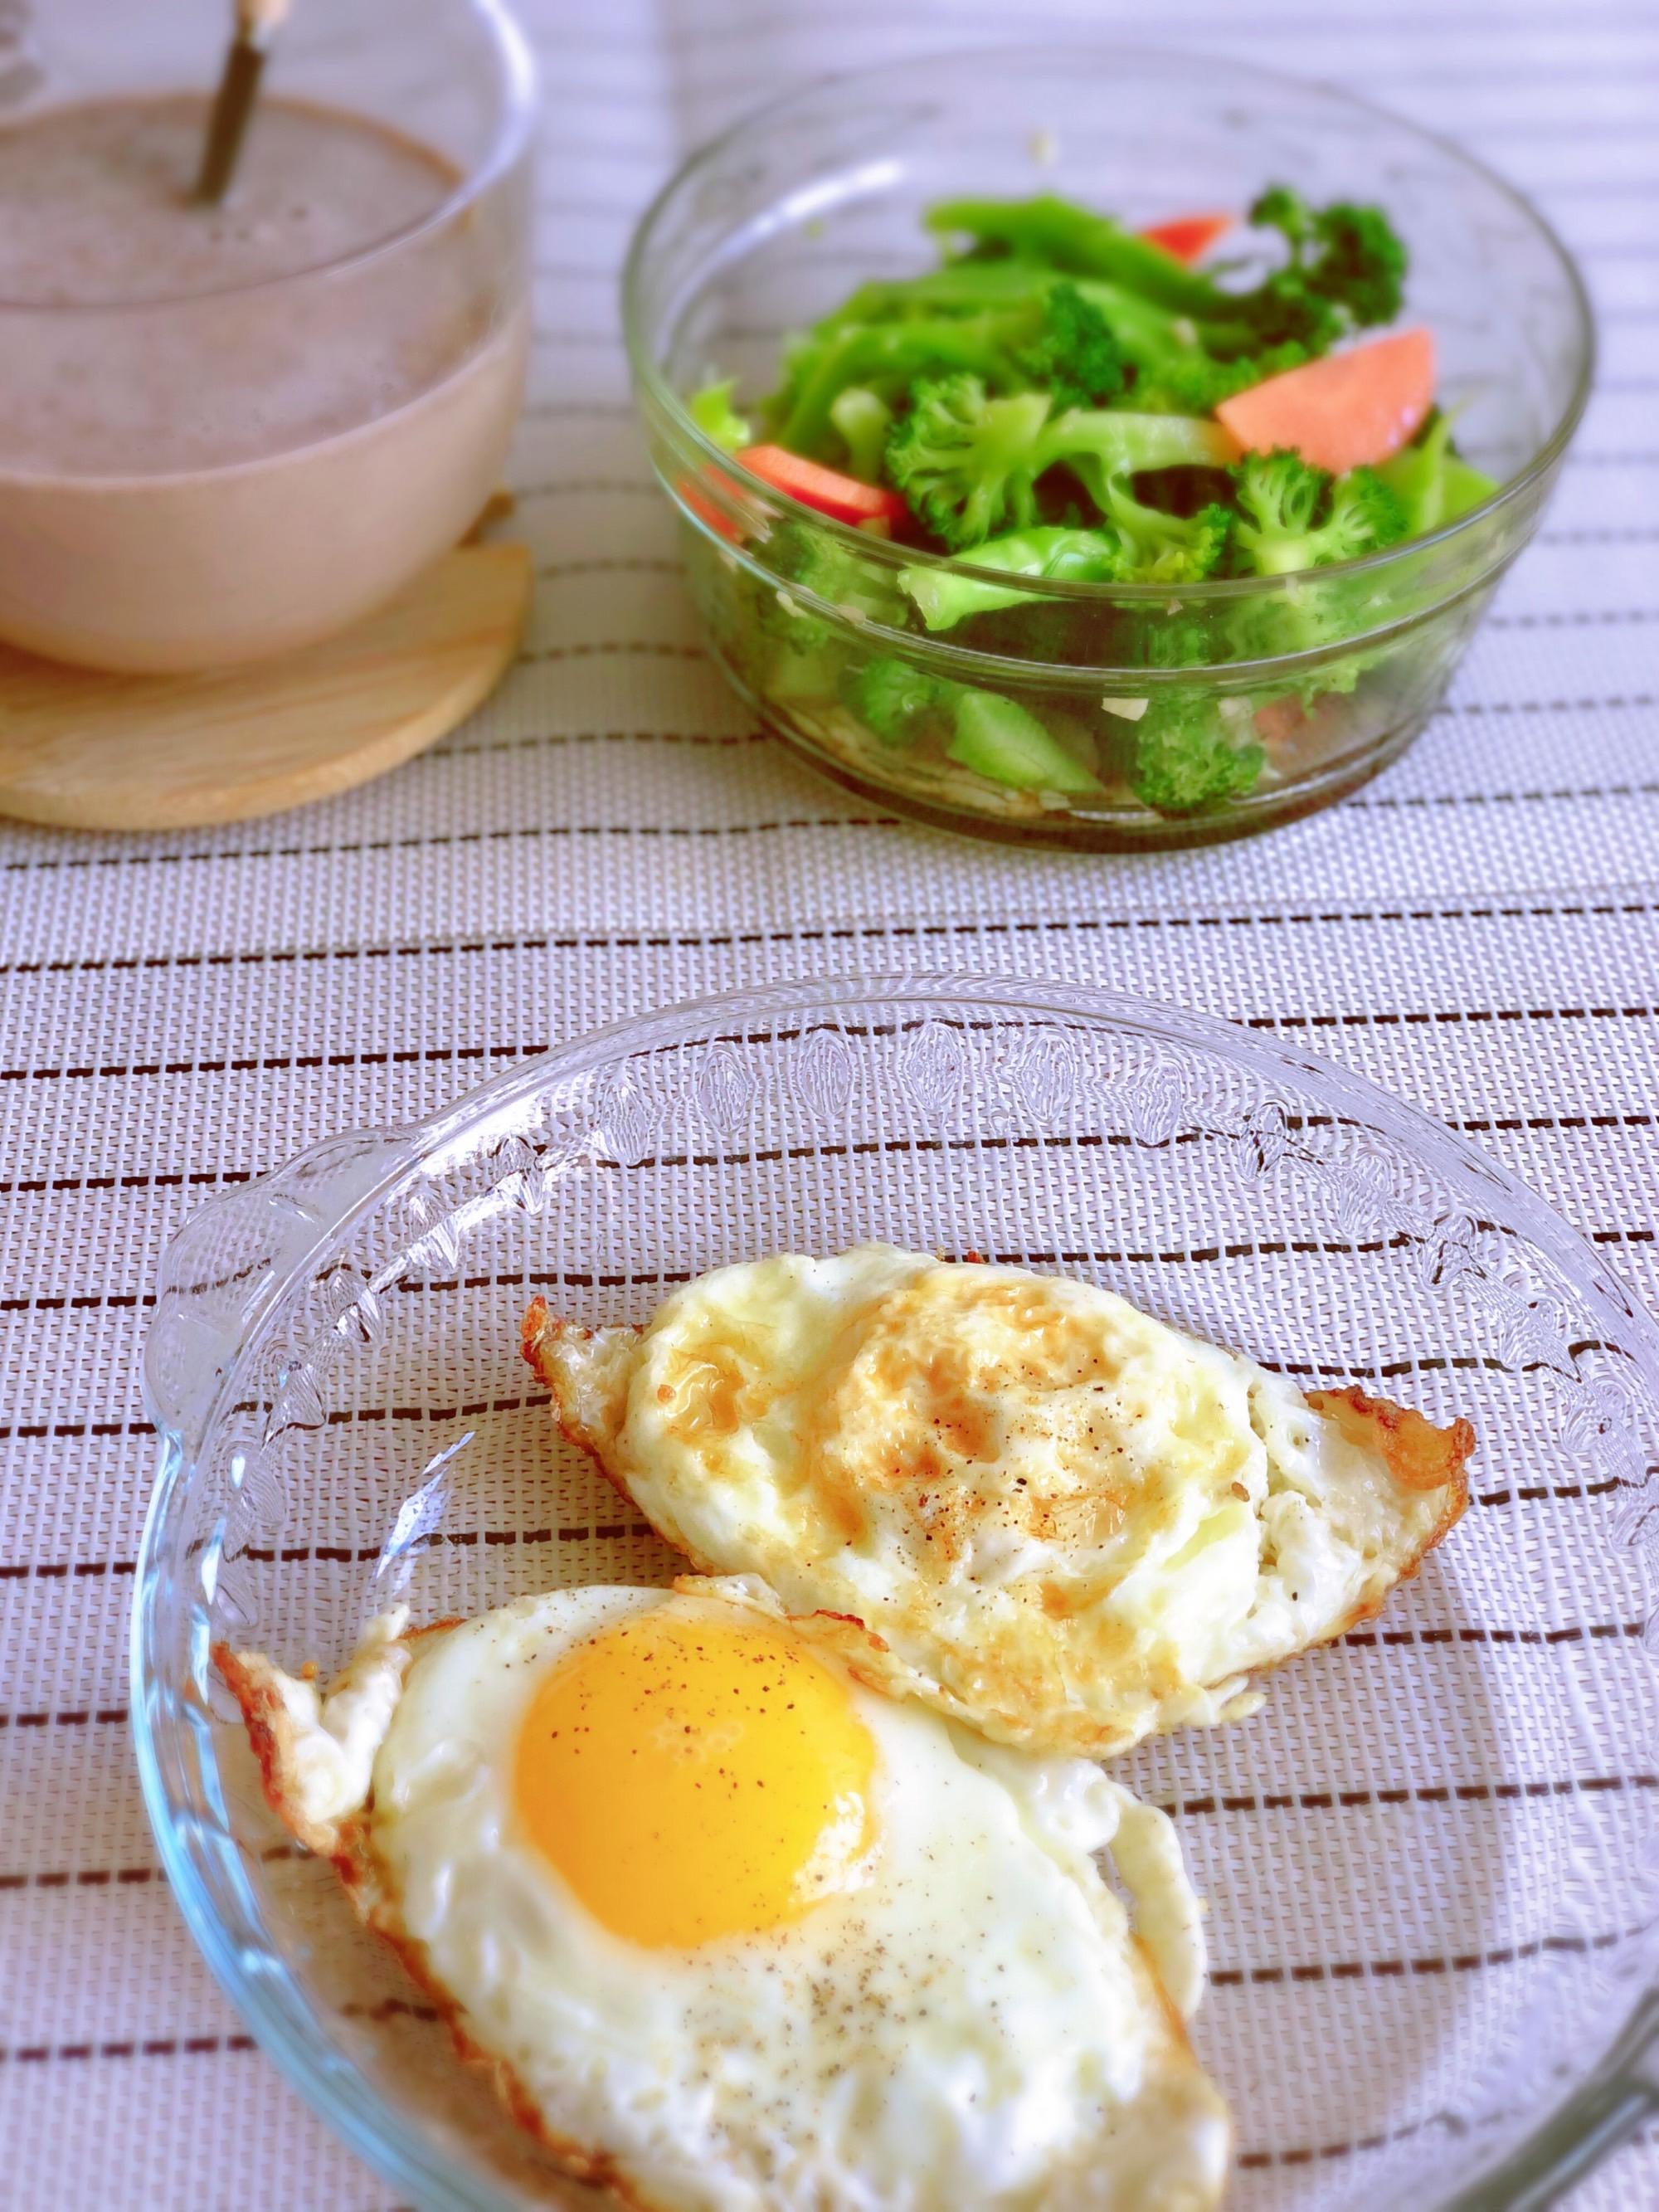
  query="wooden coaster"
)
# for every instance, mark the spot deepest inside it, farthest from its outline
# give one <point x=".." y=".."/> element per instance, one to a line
<point x="96" y="751"/>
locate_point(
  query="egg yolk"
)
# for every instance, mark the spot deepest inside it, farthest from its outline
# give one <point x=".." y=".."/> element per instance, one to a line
<point x="692" y="1779"/>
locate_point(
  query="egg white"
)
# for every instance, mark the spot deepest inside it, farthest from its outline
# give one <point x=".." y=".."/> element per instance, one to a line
<point x="1036" y="1508"/>
<point x="973" y="2024"/>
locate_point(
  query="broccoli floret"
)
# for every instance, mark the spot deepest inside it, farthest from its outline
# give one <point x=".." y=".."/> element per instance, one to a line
<point x="807" y="651"/>
<point x="1167" y="549"/>
<point x="1186" y="758"/>
<point x="1295" y="516"/>
<point x="712" y="412"/>
<point x="1026" y="328"/>
<point x="1074" y="357"/>
<point x="944" y="597"/>
<point x="1283" y="208"/>
<point x="1279" y="492"/>
<point x="1195" y="383"/>
<point x="1347" y="257"/>
<point x="863" y="418"/>
<point x="895" y="703"/>
<point x="1155" y="337"/>
<point x="805" y="559"/>
<point x="1178" y="636"/>
<point x="969" y="463"/>
<point x="1434" y="485"/>
<point x="1311" y="613"/>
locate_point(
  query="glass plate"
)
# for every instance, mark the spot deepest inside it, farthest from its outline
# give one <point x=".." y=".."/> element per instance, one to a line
<point x="1430" y="1860"/>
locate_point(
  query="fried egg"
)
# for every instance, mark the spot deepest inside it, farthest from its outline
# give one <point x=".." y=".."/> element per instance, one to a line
<point x="1020" y="1499"/>
<point x="737" y="1935"/>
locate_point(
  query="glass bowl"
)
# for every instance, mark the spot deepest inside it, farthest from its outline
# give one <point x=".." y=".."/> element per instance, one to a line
<point x="1431" y="1861"/>
<point x="775" y="222"/>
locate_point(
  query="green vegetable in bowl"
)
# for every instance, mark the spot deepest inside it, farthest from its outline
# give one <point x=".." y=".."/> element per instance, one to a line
<point x="812" y="563"/>
<point x="946" y="596"/>
<point x="970" y="463"/>
<point x="1139" y="545"/>
<point x="1343" y="272"/>
<point x="1294" y="517"/>
<point x="714" y="415"/>
<point x="1016" y="330"/>
<point x="1068" y="401"/>
<point x="1075" y="357"/>
<point x="996" y="737"/>
<point x="897" y="703"/>
<point x="1187" y="759"/>
<point x="862" y="419"/>
<point x="1433" y="483"/>
<point x="802" y="653"/>
<point x="1003" y="740"/>
<point x="1162" y="548"/>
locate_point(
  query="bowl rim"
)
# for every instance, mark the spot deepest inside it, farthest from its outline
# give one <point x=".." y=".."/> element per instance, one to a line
<point x="651" y="384"/>
<point x="1596" y="2115"/>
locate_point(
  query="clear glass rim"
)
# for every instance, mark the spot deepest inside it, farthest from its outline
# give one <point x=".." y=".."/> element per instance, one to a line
<point x="1594" y="2118"/>
<point x="1082" y="54"/>
<point x="976" y="663"/>
<point x="509" y="142"/>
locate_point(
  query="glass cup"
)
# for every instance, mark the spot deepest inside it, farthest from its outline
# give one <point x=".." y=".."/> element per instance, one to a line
<point x="199" y="466"/>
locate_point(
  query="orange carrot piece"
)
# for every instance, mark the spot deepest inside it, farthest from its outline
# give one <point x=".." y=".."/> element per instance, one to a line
<point x="693" y="495"/>
<point x="1345" y="411"/>
<point x="1189" y="238"/>
<point x="843" y="498"/>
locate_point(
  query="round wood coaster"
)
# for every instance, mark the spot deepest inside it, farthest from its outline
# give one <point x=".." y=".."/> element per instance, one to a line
<point x="96" y="751"/>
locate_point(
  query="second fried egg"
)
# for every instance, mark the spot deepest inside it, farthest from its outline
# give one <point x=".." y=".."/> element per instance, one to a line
<point x="1019" y="1497"/>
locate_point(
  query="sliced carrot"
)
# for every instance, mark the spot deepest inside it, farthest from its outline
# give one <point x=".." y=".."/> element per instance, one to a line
<point x="693" y="495"/>
<point x="1190" y="237"/>
<point x="1348" y="410"/>
<point x="843" y="498"/>
<point x="1279" y="721"/>
<point x="1300" y="738"/>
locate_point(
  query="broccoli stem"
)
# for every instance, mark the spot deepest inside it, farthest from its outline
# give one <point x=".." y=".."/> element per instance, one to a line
<point x="1100" y="444"/>
<point x="716" y="415"/>
<point x="944" y="597"/>
<point x="999" y="738"/>
<point x="1433" y="484"/>
<point x="1071" y="239"/>
<point x="1153" y="336"/>
<point x="961" y="287"/>
<point x="887" y="357"/>
<point x="863" y="418"/>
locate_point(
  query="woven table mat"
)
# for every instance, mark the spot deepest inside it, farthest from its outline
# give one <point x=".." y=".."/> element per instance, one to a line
<point x="1476" y="931"/>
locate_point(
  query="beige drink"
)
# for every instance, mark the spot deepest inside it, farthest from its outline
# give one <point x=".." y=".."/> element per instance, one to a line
<point x="226" y="432"/>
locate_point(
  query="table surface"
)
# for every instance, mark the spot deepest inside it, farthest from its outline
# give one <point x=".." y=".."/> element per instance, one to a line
<point x="1475" y="931"/>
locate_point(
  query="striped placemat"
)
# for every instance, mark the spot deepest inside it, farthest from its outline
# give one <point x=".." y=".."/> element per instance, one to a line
<point x="1476" y="931"/>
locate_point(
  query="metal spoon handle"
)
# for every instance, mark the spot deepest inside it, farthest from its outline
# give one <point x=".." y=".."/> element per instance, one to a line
<point x="257" y="24"/>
